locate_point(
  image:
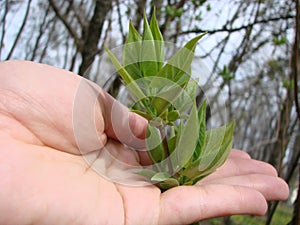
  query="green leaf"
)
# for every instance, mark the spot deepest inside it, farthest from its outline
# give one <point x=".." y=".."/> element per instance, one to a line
<point x="133" y="34"/>
<point x="187" y="140"/>
<point x="143" y="114"/>
<point x="168" y="183"/>
<point x="154" y="144"/>
<point x="146" y="173"/>
<point x="191" y="89"/>
<point x="202" y="122"/>
<point x="148" y="54"/>
<point x="131" y="53"/>
<point x="186" y="97"/>
<point x="173" y="11"/>
<point x="160" y="176"/>
<point x="225" y="146"/>
<point x="172" y="144"/>
<point x="226" y="74"/>
<point x="165" y="98"/>
<point x="217" y="146"/>
<point x="202" y="130"/>
<point x="147" y="33"/>
<point x="159" y="40"/>
<point x="173" y="115"/>
<point x="279" y="41"/>
<point x="179" y="65"/>
<point x="128" y="80"/>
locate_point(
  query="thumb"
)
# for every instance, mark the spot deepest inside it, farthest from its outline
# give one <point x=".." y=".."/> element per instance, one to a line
<point x="123" y="125"/>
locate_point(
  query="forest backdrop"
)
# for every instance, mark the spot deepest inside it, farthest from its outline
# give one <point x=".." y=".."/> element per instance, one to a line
<point x="248" y="63"/>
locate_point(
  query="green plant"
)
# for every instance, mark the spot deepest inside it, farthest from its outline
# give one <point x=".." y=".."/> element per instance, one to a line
<point x="182" y="150"/>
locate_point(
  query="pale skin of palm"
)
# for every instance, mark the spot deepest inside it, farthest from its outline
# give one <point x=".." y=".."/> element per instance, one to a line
<point x="45" y="180"/>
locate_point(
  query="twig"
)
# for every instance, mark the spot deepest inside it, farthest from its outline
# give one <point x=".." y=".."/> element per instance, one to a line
<point x="42" y="28"/>
<point x="296" y="59"/>
<point x="231" y="30"/>
<point x="120" y="22"/>
<point x="20" y="31"/>
<point x="3" y="26"/>
<point x="65" y="22"/>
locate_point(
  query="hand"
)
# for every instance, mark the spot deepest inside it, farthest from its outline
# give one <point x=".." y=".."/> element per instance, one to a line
<point x="54" y="136"/>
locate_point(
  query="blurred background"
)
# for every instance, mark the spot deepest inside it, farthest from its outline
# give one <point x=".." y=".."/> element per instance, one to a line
<point x="247" y="65"/>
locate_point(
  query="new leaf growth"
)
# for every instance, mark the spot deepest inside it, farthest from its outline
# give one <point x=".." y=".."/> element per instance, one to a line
<point x="181" y="149"/>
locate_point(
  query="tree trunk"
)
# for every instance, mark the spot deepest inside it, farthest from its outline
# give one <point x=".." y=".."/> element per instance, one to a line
<point x="90" y="46"/>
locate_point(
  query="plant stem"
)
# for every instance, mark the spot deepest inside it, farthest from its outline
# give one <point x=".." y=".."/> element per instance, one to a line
<point x="166" y="148"/>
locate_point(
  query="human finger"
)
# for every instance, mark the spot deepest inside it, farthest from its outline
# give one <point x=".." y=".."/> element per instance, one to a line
<point x="272" y="188"/>
<point x="242" y="166"/>
<point x="235" y="153"/>
<point x="188" y="204"/>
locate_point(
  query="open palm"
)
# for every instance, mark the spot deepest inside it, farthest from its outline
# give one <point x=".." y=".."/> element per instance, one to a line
<point x="57" y="151"/>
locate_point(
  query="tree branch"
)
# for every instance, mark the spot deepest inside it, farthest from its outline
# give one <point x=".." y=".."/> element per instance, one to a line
<point x="230" y="30"/>
<point x="20" y="31"/>
<point x="3" y="26"/>
<point x="90" y="46"/>
<point x="42" y="29"/>
<point x="296" y="59"/>
<point x="78" y="17"/>
<point x="139" y="13"/>
<point x="120" y="22"/>
<point x="65" y="23"/>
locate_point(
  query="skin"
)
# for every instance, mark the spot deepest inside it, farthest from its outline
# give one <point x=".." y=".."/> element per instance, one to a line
<point x="44" y="178"/>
